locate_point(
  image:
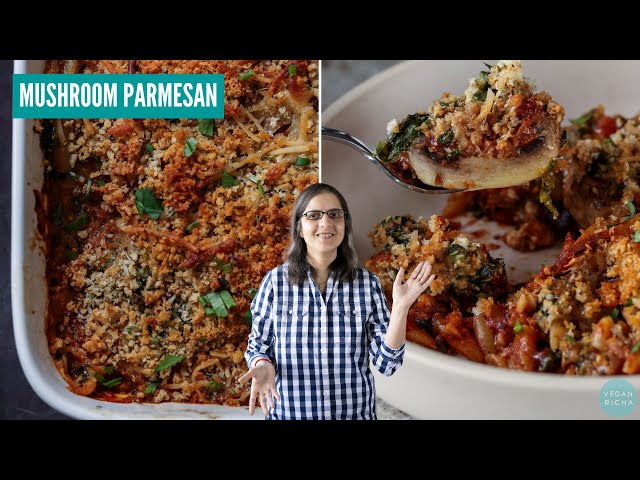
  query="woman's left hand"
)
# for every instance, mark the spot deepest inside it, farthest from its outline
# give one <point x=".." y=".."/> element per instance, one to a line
<point x="405" y="293"/>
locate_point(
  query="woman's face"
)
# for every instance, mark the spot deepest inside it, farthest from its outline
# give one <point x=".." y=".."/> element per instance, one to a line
<point x="325" y="235"/>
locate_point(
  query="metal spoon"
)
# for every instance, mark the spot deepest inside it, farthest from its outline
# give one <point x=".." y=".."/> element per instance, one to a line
<point x="342" y="137"/>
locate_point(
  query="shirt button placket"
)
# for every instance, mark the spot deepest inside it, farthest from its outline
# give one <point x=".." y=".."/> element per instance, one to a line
<point x="324" y="361"/>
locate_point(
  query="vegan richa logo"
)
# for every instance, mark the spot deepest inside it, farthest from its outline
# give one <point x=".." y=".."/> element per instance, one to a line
<point x="618" y="397"/>
<point x="118" y="96"/>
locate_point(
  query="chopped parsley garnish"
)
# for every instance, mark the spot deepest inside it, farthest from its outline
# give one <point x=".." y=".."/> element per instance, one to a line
<point x="635" y="238"/>
<point x="168" y="362"/>
<point x="302" y="161"/>
<point x="632" y="210"/>
<point x="215" y="386"/>
<point x="207" y="126"/>
<point x="190" y="147"/>
<point x="147" y="203"/>
<point x="78" y="224"/>
<point x="192" y="225"/>
<point x="517" y="327"/>
<point x="151" y="388"/>
<point x="584" y="119"/>
<point x="217" y="303"/>
<point x="88" y="191"/>
<point x="149" y="148"/>
<point x="246" y="75"/>
<point x="635" y="348"/>
<point x="248" y="317"/>
<point x="614" y="313"/>
<point x="229" y="180"/>
<point x="226" y="267"/>
<point x="293" y="70"/>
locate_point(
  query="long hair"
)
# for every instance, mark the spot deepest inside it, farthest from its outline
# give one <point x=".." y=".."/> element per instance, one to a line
<point x="346" y="263"/>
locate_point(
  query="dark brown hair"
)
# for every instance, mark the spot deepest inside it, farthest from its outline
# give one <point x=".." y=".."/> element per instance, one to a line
<point x="346" y="263"/>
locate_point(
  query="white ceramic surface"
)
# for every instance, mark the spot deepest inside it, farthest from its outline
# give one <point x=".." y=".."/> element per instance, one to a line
<point x="29" y="297"/>
<point x="431" y="384"/>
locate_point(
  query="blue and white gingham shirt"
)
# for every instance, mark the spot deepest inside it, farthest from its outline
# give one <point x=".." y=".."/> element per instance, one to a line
<point x="321" y="349"/>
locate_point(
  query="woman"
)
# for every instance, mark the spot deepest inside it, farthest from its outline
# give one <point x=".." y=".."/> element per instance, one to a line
<point x="318" y="320"/>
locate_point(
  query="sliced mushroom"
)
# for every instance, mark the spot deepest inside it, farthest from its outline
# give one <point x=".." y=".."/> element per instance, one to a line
<point x="476" y="173"/>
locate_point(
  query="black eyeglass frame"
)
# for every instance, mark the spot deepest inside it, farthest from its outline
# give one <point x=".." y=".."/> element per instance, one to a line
<point x="305" y="214"/>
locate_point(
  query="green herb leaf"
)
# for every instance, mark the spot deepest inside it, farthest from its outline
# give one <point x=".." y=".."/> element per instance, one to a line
<point x="227" y="299"/>
<point x="101" y="183"/>
<point x="632" y="210"/>
<point x="635" y="238"/>
<point x="569" y="338"/>
<point x="226" y="267"/>
<point x="70" y="255"/>
<point x="247" y="317"/>
<point x="614" y="313"/>
<point x="168" y="362"/>
<point x="88" y="191"/>
<point x="190" y="147"/>
<point x="246" y="75"/>
<point x="408" y="131"/>
<point x="302" y="161"/>
<point x="253" y="179"/>
<point x="583" y="120"/>
<point x="149" y="148"/>
<point x="78" y="224"/>
<point x="261" y="191"/>
<point x="635" y="348"/>
<point x="207" y="126"/>
<point x="629" y="302"/>
<point x="293" y="70"/>
<point x="215" y="300"/>
<point x="154" y="340"/>
<point x="517" y="327"/>
<point x="147" y="203"/>
<point x="203" y="301"/>
<point x="192" y="225"/>
<point x="112" y="383"/>
<point x="213" y="385"/>
<point x="252" y="292"/>
<point x="151" y="388"/>
<point x="446" y="138"/>
<point x="209" y="311"/>
<point x="480" y="96"/>
<point x="229" y="180"/>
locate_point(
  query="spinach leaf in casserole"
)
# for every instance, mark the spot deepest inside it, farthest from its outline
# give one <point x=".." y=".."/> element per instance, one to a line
<point x="400" y="141"/>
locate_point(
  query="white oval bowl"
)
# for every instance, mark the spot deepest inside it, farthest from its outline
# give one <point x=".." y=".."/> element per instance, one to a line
<point x="29" y="299"/>
<point x="430" y="384"/>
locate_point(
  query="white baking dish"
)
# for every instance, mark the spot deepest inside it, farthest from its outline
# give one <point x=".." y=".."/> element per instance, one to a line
<point x="430" y="384"/>
<point x="29" y="299"/>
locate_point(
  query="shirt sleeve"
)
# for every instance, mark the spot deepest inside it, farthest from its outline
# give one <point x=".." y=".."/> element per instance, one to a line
<point x="260" y="343"/>
<point x="385" y="359"/>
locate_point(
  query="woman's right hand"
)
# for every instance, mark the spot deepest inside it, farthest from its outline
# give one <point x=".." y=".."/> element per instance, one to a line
<point x="263" y="385"/>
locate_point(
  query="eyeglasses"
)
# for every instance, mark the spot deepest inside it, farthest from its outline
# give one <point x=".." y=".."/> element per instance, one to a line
<point x="333" y="214"/>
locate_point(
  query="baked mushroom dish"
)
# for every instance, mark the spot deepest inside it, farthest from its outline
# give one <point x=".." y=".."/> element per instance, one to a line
<point x="159" y="231"/>
<point x="499" y="133"/>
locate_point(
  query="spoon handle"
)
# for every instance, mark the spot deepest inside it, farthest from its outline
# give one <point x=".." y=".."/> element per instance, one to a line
<point x="343" y="137"/>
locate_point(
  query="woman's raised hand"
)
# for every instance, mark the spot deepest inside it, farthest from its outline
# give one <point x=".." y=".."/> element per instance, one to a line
<point x="405" y="293"/>
<point x="263" y="385"/>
